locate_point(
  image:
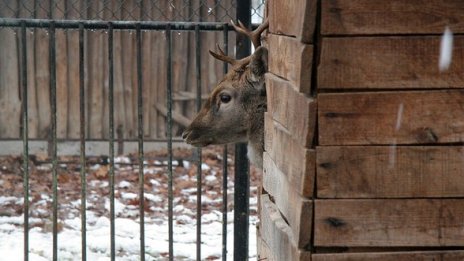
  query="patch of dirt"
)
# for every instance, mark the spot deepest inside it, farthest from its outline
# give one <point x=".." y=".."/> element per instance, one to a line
<point x="126" y="185"/>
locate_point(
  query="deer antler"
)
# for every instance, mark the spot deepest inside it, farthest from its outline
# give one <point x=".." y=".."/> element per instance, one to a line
<point x="255" y="35"/>
<point x="220" y="55"/>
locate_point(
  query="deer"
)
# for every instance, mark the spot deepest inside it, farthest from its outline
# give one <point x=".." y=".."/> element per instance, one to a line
<point x="234" y="110"/>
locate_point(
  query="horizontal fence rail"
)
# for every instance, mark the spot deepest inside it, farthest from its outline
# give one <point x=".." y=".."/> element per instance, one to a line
<point x="110" y="28"/>
<point x="91" y="24"/>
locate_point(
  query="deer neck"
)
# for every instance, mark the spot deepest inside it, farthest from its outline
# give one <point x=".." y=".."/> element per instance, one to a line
<point x="255" y="133"/>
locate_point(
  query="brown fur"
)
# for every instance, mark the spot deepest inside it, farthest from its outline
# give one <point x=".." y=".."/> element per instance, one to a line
<point x="242" y="118"/>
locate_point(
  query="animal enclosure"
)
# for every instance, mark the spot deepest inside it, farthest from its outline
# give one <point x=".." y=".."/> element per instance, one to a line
<point x="364" y="156"/>
<point x="114" y="65"/>
<point x="96" y="78"/>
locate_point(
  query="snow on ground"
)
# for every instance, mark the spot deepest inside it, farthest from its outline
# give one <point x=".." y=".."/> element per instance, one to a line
<point x="127" y="239"/>
<point x="126" y="208"/>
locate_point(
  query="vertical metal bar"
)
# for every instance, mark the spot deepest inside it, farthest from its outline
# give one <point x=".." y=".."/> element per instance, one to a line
<point x="25" y="139"/>
<point x="169" y="135"/>
<point x="198" y="105"/>
<point x="111" y="137"/>
<point x="241" y="203"/>
<point x="52" y="53"/>
<point x="140" y="139"/>
<point x="82" y="141"/>
<point x="242" y="176"/>
<point x="224" y="163"/>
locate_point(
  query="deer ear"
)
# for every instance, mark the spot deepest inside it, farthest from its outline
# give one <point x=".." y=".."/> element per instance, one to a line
<point x="258" y="64"/>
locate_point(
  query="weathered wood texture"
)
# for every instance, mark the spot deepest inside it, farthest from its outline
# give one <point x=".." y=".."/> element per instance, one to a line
<point x="293" y="18"/>
<point x="390" y="171"/>
<point x="290" y="157"/>
<point x="295" y="111"/>
<point x="277" y="235"/>
<point x="72" y="38"/>
<point x="42" y="75"/>
<point x="302" y="185"/>
<point x="391" y="17"/>
<point x="409" y="117"/>
<point x="62" y="82"/>
<point x="96" y="98"/>
<point x="291" y="60"/>
<point x="393" y="256"/>
<point x="263" y="250"/>
<point x="389" y="222"/>
<point x="10" y="104"/>
<point x="154" y="63"/>
<point x="394" y="96"/>
<point x="388" y="63"/>
<point x="296" y="209"/>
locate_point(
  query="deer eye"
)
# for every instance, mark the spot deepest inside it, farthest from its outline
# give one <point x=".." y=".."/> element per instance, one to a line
<point x="225" y="98"/>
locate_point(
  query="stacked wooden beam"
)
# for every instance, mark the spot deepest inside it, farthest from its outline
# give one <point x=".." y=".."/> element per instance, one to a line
<point x="289" y="161"/>
<point x="382" y="179"/>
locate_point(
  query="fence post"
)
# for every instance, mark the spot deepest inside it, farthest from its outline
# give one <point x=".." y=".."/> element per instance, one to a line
<point x="242" y="173"/>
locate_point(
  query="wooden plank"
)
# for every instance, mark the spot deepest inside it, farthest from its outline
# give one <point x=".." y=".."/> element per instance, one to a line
<point x="389" y="222"/>
<point x="301" y="185"/>
<point x="158" y="77"/>
<point x="146" y="81"/>
<point x="390" y="172"/>
<point x="263" y="250"/>
<point x="134" y="14"/>
<point x="96" y="98"/>
<point x="122" y="72"/>
<point x="127" y="52"/>
<point x="388" y="63"/>
<point x="393" y="256"/>
<point x="62" y="86"/>
<point x="277" y="235"/>
<point x="105" y="76"/>
<point x="119" y="68"/>
<point x="289" y="156"/>
<point x="391" y="17"/>
<point x="42" y="69"/>
<point x="295" y="111"/>
<point x="294" y="18"/>
<point x="133" y="133"/>
<point x="10" y="104"/>
<point x="160" y="80"/>
<point x="73" y="73"/>
<point x="10" y="88"/>
<point x="296" y="209"/>
<point x="408" y="117"/>
<point x="292" y="60"/>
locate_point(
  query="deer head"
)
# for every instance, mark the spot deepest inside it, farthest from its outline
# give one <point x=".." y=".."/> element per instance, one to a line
<point x="234" y="110"/>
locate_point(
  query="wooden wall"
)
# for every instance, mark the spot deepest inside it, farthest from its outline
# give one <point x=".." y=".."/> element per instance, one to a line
<point x="364" y="156"/>
<point x="96" y="68"/>
<point x="285" y="230"/>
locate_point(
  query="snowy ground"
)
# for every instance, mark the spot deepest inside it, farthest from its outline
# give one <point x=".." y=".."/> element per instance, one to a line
<point x="126" y="202"/>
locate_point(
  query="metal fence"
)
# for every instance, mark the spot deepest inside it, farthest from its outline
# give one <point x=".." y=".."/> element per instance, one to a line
<point x="142" y="10"/>
<point x="184" y="94"/>
<point x="52" y="26"/>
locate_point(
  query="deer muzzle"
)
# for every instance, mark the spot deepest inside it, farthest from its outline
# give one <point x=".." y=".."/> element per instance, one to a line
<point x="195" y="138"/>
